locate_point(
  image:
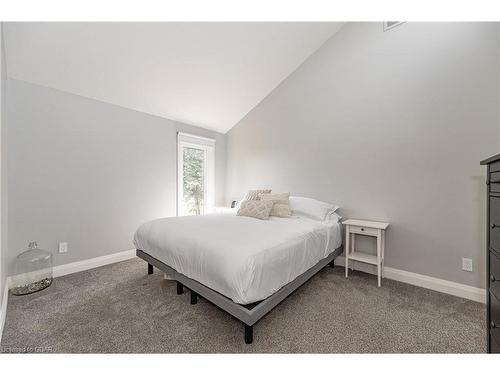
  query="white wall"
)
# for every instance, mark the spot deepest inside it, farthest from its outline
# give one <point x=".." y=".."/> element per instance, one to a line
<point x="391" y="126"/>
<point x="3" y="190"/>
<point x="2" y="83"/>
<point x="3" y="179"/>
<point x="88" y="172"/>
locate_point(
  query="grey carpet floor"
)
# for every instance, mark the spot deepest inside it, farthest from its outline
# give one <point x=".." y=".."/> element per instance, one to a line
<point x="119" y="308"/>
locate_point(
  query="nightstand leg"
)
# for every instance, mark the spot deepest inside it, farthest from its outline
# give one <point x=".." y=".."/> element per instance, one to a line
<point x="383" y="253"/>
<point x="353" y="249"/>
<point x="347" y="243"/>
<point x="379" y="254"/>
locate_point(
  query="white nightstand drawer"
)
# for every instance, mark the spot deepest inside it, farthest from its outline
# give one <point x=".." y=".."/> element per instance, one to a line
<point x="363" y="230"/>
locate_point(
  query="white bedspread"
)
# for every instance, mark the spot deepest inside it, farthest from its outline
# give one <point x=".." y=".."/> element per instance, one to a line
<point x="243" y="258"/>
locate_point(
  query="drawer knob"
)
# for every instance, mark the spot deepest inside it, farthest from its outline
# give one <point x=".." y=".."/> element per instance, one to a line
<point x="492" y="278"/>
<point x="494" y="325"/>
<point x="493" y="226"/>
<point x="362" y="229"/>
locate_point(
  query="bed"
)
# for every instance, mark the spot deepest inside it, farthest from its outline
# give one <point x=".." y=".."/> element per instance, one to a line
<point x="243" y="265"/>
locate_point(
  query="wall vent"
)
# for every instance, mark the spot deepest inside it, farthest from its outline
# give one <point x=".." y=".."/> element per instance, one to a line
<point x="392" y="24"/>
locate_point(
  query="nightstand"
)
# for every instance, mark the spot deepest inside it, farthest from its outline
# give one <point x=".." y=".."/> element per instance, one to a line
<point x="365" y="228"/>
<point x="223" y="210"/>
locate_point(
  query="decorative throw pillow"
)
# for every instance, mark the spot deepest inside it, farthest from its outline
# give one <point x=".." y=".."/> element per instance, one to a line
<point x="254" y="195"/>
<point x="257" y="209"/>
<point x="281" y="207"/>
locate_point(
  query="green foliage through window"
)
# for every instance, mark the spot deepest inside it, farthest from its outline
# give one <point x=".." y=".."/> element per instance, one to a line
<point x="194" y="180"/>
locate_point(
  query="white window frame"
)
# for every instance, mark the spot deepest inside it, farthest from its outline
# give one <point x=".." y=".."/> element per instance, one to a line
<point x="208" y="146"/>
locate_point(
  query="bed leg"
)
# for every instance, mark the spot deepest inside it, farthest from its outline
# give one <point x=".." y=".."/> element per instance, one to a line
<point x="332" y="264"/>
<point x="248" y="334"/>
<point x="194" y="298"/>
<point x="150" y="269"/>
<point x="180" y="288"/>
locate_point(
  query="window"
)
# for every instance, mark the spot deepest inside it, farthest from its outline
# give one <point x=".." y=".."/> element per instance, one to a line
<point x="195" y="174"/>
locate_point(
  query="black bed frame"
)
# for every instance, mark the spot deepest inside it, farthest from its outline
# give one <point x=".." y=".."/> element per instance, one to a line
<point x="247" y="314"/>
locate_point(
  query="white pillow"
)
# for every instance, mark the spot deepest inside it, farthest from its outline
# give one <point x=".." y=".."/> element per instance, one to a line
<point x="312" y="208"/>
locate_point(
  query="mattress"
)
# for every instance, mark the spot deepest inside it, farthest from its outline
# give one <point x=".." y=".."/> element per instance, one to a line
<point x="243" y="258"/>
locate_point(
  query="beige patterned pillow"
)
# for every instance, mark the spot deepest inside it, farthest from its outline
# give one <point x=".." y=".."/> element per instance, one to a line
<point x="281" y="207"/>
<point x="254" y="195"/>
<point x="256" y="209"/>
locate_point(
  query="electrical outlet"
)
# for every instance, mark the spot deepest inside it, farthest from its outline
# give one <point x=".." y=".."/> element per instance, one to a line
<point x="63" y="247"/>
<point x="467" y="264"/>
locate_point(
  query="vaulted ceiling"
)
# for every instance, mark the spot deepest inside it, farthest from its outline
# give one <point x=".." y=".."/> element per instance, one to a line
<point x="205" y="74"/>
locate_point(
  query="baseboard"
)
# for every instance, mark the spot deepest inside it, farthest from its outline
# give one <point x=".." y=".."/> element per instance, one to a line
<point x="87" y="264"/>
<point x="428" y="282"/>
<point x="3" y="308"/>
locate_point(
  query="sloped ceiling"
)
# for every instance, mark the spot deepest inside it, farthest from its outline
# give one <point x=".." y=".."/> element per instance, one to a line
<point x="205" y="74"/>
